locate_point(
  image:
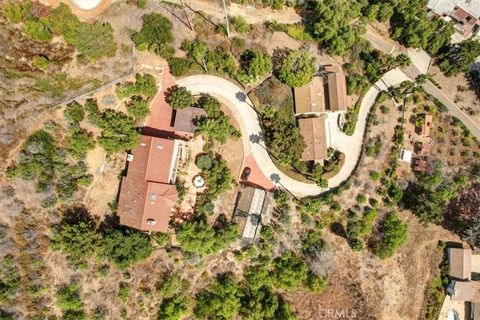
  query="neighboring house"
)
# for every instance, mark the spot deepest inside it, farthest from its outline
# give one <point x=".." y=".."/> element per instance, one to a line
<point x="325" y="94"/>
<point x="148" y="193"/>
<point x="253" y="209"/>
<point x="310" y="99"/>
<point x="460" y="263"/>
<point x="461" y="286"/>
<point x="314" y="136"/>
<point x="337" y="88"/>
<point x="464" y="14"/>
<point x="184" y="120"/>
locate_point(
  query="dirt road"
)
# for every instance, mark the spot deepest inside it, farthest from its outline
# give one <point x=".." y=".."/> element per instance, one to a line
<point x="250" y="13"/>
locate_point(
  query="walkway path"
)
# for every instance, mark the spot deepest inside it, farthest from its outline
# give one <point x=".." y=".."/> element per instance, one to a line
<point x="242" y="109"/>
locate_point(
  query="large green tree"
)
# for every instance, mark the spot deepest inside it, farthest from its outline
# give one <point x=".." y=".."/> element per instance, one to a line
<point x="394" y="233"/>
<point x="155" y="35"/>
<point x="459" y="57"/>
<point x="220" y="300"/>
<point x="125" y="247"/>
<point x="297" y="69"/>
<point x="179" y="97"/>
<point x="254" y="65"/>
<point x="335" y="26"/>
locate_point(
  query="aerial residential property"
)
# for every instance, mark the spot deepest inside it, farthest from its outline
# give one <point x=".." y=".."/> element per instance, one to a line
<point x="325" y="94"/>
<point x="148" y="193"/>
<point x="231" y="160"/>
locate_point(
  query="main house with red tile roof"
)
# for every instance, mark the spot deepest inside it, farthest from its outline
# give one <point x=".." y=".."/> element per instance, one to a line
<point x="148" y="193"/>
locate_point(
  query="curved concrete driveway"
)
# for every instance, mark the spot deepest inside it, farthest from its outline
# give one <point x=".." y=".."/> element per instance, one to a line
<point x="242" y="109"/>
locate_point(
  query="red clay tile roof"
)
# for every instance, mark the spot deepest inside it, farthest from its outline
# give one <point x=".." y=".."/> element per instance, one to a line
<point x="145" y="192"/>
<point x="160" y="156"/>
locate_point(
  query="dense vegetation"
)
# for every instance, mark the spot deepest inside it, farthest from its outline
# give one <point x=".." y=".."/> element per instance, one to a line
<point x="44" y="160"/>
<point x="393" y="234"/>
<point x="282" y="136"/>
<point x="155" y="35"/>
<point x="215" y="125"/>
<point x="92" y="41"/>
<point x="80" y="238"/>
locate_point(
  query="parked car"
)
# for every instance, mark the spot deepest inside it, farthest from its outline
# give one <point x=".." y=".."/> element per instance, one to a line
<point x="246" y="173"/>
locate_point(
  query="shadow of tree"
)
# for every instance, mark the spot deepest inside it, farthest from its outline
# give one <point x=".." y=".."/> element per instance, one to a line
<point x="275" y="178"/>
<point x="256" y="137"/>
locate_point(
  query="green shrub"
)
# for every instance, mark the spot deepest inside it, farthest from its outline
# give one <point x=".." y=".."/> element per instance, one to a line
<point x="173" y="285"/>
<point x="36" y="30"/>
<point x="179" y="66"/>
<point x="123" y="291"/>
<point x="254" y="65"/>
<point x="239" y="24"/>
<point x="289" y="271"/>
<point x="119" y="131"/>
<point x="200" y="237"/>
<point x="145" y="85"/>
<point x="298" y="32"/>
<point x="74" y="315"/>
<point x="9" y="278"/>
<point x="361" y="199"/>
<point x="173" y="308"/>
<point x="78" y="240"/>
<point x="155" y="35"/>
<point x="125" y="247"/>
<point x="374" y="175"/>
<point x="68" y="298"/>
<point x="220" y="300"/>
<point x="204" y="162"/>
<point x="393" y="235"/>
<point x="40" y="62"/>
<point x="221" y="61"/>
<point x="316" y="283"/>
<point x="16" y="11"/>
<point x="74" y="112"/>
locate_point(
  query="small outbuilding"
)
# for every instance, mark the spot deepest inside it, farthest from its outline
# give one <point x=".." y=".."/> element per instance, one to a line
<point x="185" y="119"/>
<point x="253" y="209"/>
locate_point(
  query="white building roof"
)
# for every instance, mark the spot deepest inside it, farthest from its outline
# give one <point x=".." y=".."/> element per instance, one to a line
<point x="406" y="155"/>
<point x="445" y="7"/>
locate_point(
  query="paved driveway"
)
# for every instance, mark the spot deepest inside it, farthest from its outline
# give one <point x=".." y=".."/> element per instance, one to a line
<point x="242" y="109"/>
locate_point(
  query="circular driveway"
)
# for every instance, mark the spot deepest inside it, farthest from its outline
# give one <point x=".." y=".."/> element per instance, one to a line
<point x="242" y="109"/>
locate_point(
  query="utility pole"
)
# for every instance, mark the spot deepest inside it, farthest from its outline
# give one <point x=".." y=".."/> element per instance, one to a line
<point x="226" y="18"/>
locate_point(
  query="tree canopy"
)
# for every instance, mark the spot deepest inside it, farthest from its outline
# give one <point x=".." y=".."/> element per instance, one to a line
<point x="393" y="235"/>
<point x="459" y="57"/>
<point x="179" y="97"/>
<point x="297" y="69"/>
<point x="254" y="65"/>
<point x="155" y="35"/>
<point x="220" y="300"/>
